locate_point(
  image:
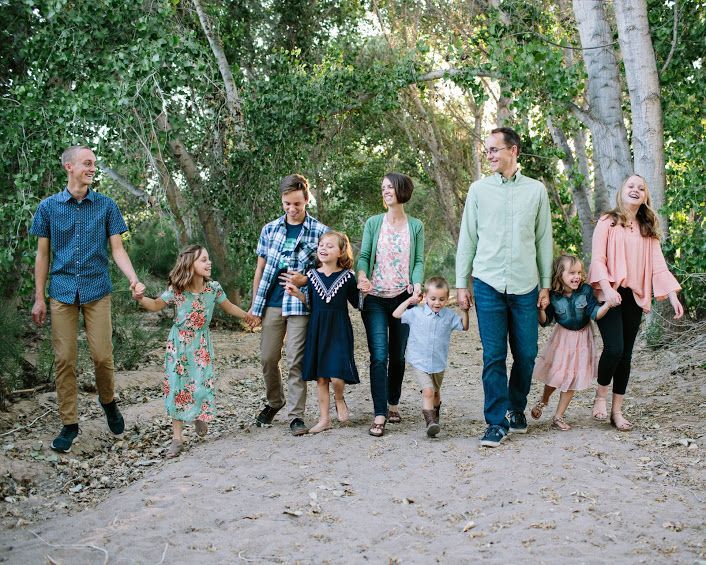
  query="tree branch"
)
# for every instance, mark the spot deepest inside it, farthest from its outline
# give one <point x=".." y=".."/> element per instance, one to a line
<point x="127" y="185"/>
<point x="674" y="38"/>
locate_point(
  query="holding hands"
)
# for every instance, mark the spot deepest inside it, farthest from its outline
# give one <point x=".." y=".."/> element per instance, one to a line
<point x="464" y="297"/>
<point x="364" y="284"/>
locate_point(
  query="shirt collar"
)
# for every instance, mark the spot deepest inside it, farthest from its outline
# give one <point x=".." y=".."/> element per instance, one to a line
<point x="429" y="312"/>
<point x="513" y="179"/>
<point x="66" y="195"/>
<point x="306" y="224"/>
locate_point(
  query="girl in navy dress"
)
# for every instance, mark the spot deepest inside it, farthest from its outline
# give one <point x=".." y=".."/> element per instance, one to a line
<point x="328" y="355"/>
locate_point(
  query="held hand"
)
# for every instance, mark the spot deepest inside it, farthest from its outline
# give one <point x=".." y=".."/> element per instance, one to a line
<point x="415" y="299"/>
<point x="138" y="290"/>
<point x="678" y="308"/>
<point x="612" y="297"/>
<point x="291" y="289"/>
<point x="364" y="284"/>
<point x="39" y="312"/>
<point x="294" y="277"/>
<point x="464" y="298"/>
<point x="543" y="297"/>
<point x="251" y="321"/>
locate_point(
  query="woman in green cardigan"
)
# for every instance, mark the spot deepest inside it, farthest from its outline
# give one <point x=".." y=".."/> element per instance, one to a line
<point x="390" y="270"/>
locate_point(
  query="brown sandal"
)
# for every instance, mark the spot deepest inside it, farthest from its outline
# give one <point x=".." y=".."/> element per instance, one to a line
<point x="560" y="424"/>
<point x="201" y="428"/>
<point x="394" y="417"/>
<point x="600" y="411"/>
<point x="537" y="410"/>
<point x="623" y="426"/>
<point x="377" y="430"/>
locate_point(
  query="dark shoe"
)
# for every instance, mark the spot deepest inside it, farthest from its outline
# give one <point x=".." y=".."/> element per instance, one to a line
<point x="201" y="428"/>
<point x="493" y="436"/>
<point x="437" y="413"/>
<point x="298" y="427"/>
<point x="518" y="423"/>
<point x="433" y="427"/>
<point x="377" y="430"/>
<point x="265" y="417"/>
<point x="394" y="417"/>
<point x="65" y="439"/>
<point x="114" y="417"/>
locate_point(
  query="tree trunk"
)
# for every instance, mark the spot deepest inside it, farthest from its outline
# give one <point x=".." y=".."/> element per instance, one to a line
<point x="579" y="189"/>
<point x="605" y="116"/>
<point x="208" y="219"/>
<point x="643" y="86"/>
<point x="232" y="94"/>
<point x="174" y="200"/>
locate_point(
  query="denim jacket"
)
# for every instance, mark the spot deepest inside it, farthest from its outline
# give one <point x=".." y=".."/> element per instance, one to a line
<point x="572" y="312"/>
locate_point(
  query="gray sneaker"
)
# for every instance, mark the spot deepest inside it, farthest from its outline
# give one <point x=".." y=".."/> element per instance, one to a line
<point x="518" y="422"/>
<point x="298" y="427"/>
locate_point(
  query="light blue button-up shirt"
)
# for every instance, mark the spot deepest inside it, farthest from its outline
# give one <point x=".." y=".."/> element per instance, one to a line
<point x="429" y="337"/>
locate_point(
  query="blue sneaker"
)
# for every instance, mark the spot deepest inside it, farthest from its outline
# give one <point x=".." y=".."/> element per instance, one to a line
<point x="65" y="439"/>
<point x="493" y="436"/>
<point x="518" y="422"/>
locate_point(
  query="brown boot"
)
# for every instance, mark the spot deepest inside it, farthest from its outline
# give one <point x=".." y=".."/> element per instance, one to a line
<point x="433" y="427"/>
<point x="437" y="412"/>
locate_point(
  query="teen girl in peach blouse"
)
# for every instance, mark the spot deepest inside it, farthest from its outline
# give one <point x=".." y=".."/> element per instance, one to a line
<point x="627" y="269"/>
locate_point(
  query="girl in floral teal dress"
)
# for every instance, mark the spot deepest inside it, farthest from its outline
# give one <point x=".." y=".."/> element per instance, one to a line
<point x="189" y="380"/>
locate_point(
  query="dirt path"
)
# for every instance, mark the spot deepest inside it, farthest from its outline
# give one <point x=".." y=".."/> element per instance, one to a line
<point x="247" y="494"/>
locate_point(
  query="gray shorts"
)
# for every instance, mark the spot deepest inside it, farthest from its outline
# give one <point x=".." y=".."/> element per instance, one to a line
<point x="427" y="380"/>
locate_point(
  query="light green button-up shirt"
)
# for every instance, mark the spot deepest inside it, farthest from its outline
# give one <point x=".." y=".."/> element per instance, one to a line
<point x="506" y="235"/>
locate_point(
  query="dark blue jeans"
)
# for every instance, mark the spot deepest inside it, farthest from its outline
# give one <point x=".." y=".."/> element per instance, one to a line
<point x="502" y="316"/>
<point x="387" y="341"/>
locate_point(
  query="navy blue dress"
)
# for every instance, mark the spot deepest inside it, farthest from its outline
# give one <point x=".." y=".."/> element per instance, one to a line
<point x="329" y="338"/>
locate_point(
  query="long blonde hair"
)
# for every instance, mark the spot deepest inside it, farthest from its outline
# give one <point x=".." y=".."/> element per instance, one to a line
<point x="182" y="273"/>
<point x="646" y="216"/>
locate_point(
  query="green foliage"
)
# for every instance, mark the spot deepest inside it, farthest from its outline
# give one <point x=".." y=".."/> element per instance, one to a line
<point x="11" y="349"/>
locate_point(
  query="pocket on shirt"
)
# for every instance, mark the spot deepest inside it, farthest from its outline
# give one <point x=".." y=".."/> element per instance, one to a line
<point x="581" y="303"/>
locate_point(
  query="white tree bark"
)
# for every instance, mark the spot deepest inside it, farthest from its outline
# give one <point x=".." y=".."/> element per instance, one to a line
<point x="643" y="86"/>
<point x="605" y="116"/>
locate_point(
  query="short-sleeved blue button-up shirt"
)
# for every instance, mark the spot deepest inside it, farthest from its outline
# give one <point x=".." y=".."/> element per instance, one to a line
<point x="429" y="337"/>
<point x="78" y="233"/>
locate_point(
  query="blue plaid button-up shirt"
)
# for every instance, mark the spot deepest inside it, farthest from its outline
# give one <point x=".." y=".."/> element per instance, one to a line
<point x="303" y="258"/>
<point x="78" y="233"/>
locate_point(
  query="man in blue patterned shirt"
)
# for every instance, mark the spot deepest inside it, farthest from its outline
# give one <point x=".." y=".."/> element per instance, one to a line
<point x="74" y="228"/>
<point x="286" y="250"/>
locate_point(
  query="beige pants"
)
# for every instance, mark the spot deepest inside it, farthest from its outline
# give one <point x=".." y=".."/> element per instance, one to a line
<point x="64" y="337"/>
<point x="427" y="380"/>
<point x="274" y="328"/>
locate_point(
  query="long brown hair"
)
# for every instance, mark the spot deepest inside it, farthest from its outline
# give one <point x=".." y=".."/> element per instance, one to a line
<point x="561" y="264"/>
<point x="646" y="216"/>
<point x="345" y="261"/>
<point x="182" y="273"/>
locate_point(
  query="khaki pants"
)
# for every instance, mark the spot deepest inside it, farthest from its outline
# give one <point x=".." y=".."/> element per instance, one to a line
<point x="64" y="337"/>
<point x="274" y="328"/>
<point x="427" y="380"/>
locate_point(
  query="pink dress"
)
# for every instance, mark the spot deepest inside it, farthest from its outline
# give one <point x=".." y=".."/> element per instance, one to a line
<point x="569" y="361"/>
<point x="623" y="257"/>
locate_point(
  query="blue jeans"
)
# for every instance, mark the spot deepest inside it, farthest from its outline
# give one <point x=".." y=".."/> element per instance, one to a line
<point x="387" y="341"/>
<point x="502" y="316"/>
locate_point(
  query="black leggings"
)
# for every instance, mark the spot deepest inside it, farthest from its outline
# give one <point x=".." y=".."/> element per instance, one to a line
<point x="619" y="329"/>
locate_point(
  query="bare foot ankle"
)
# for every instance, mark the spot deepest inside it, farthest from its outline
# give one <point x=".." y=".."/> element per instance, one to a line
<point x="321" y="426"/>
<point x="600" y="411"/>
<point x="619" y="421"/>
<point x="342" y="410"/>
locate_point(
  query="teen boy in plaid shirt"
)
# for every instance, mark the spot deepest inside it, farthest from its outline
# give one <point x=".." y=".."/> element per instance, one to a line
<point x="286" y="249"/>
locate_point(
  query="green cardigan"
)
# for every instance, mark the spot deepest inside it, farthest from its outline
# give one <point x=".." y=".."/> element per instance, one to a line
<point x="368" y="248"/>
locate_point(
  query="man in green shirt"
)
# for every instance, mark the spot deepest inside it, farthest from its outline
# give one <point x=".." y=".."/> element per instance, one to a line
<point x="505" y="244"/>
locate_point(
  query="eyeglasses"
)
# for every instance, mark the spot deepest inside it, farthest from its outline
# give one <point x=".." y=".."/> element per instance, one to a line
<point x="494" y="150"/>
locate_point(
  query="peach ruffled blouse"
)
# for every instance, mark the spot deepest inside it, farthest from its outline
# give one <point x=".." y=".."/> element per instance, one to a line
<point x="625" y="258"/>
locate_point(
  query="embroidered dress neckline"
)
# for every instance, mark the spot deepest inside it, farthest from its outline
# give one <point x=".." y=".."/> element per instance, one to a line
<point x="327" y="293"/>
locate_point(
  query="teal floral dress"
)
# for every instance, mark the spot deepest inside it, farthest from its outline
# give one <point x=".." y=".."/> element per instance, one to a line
<point x="188" y="364"/>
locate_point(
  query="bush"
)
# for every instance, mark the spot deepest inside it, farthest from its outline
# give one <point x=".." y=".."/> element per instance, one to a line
<point x="11" y="350"/>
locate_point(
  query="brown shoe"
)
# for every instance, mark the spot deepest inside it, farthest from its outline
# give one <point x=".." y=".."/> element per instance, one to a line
<point x="437" y="413"/>
<point x="201" y="428"/>
<point x="394" y="417"/>
<point x="433" y="427"/>
<point x="377" y="430"/>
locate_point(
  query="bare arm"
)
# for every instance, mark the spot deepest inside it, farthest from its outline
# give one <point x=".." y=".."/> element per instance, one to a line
<point x="229" y="308"/>
<point x="41" y="272"/>
<point x="464" y="320"/>
<point x="603" y="310"/>
<point x="151" y="304"/>
<point x="259" y="269"/>
<point x="122" y="260"/>
<point x="402" y="307"/>
<point x="293" y="290"/>
<point x="542" y="317"/>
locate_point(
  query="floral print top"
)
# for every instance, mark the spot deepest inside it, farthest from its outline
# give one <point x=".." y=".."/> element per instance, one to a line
<point x="391" y="272"/>
<point x="188" y="364"/>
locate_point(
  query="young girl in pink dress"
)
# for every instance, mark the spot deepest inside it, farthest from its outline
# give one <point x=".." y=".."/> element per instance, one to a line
<point x="627" y="269"/>
<point x="569" y="360"/>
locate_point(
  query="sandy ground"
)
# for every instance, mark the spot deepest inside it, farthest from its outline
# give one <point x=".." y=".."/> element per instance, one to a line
<point x="259" y="495"/>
